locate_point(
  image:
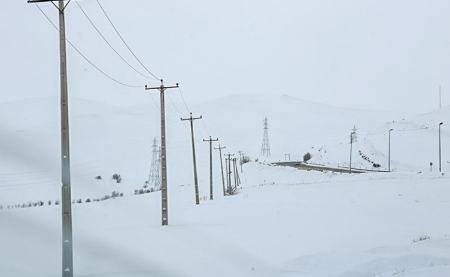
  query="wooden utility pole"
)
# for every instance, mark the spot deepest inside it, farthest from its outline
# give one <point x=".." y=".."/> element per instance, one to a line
<point x="228" y="163"/>
<point x="164" y="205"/>
<point x="210" y="140"/>
<point x="66" y="202"/>
<point x="221" y="167"/>
<point x="191" y="119"/>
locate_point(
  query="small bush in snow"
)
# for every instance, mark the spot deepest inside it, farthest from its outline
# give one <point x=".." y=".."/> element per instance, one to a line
<point x="307" y="157"/>
<point x="421" y="238"/>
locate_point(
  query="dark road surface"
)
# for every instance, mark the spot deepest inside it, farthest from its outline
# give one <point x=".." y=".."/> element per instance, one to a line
<point x="323" y="168"/>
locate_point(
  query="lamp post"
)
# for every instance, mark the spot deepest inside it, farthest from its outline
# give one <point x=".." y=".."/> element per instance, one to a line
<point x="389" y="152"/>
<point x="440" y="155"/>
<point x="352" y="139"/>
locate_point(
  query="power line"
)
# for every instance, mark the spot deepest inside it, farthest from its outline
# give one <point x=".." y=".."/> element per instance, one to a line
<point x="184" y="101"/>
<point x="86" y="58"/>
<point x="204" y="128"/>
<point x="107" y="42"/>
<point x="125" y="43"/>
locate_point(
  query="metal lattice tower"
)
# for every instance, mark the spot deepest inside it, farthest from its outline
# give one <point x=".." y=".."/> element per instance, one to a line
<point x="154" y="178"/>
<point x="265" y="148"/>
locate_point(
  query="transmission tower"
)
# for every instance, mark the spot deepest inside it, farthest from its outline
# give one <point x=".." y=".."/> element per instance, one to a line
<point x="265" y="148"/>
<point x="154" y="179"/>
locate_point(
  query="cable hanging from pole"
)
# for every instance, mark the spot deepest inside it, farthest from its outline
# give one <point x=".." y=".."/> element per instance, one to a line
<point x="125" y="43"/>
<point x="107" y="42"/>
<point x="86" y="58"/>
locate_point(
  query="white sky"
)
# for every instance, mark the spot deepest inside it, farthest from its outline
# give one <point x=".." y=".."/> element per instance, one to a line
<point x="378" y="54"/>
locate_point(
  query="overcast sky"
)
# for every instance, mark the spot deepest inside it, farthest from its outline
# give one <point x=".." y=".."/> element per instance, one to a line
<point x="378" y="54"/>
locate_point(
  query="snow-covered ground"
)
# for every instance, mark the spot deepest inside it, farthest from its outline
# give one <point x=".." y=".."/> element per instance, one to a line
<point x="284" y="222"/>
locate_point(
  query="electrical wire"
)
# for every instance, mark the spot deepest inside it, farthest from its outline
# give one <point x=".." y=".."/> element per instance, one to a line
<point x="125" y="43"/>
<point x="107" y="42"/>
<point x="86" y="58"/>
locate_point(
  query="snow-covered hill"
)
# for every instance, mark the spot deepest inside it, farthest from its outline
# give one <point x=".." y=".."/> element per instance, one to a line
<point x="108" y="139"/>
<point x="284" y="222"/>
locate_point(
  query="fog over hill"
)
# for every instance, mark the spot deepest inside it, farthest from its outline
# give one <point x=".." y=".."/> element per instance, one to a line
<point x="339" y="53"/>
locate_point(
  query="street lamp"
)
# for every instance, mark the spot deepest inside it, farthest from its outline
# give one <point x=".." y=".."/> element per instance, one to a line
<point x="440" y="155"/>
<point x="352" y="139"/>
<point x="389" y="153"/>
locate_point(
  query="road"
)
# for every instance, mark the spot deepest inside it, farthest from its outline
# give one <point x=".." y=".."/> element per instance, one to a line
<point x="323" y="168"/>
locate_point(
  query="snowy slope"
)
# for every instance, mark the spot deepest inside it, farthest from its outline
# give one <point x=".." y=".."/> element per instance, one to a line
<point x="297" y="126"/>
<point x="283" y="223"/>
<point x="107" y="139"/>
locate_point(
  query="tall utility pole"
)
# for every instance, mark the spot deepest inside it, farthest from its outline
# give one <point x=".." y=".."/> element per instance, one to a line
<point x="440" y="147"/>
<point x="191" y="119"/>
<point x="265" y="148"/>
<point x="66" y="202"/>
<point x="164" y="205"/>
<point x="221" y="167"/>
<point x="210" y="140"/>
<point x="389" y="152"/>
<point x="352" y="139"/>
<point x="228" y="163"/>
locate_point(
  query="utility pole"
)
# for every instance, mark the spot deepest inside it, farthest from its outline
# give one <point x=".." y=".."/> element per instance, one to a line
<point x="228" y="160"/>
<point x="240" y="159"/>
<point x="66" y="202"/>
<point x="234" y="175"/>
<point x="287" y="157"/>
<point x="191" y="119"/>
<point x="236" y="172"/>
<point x="210" y="140"/>
<point x="389" y="155"/>
<point x="221" y="167"/>
<point x="352" y="139"/>
<point x="440" y="147"/>
<point x="227" y="173"/>
<point x="164" y="205"/>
